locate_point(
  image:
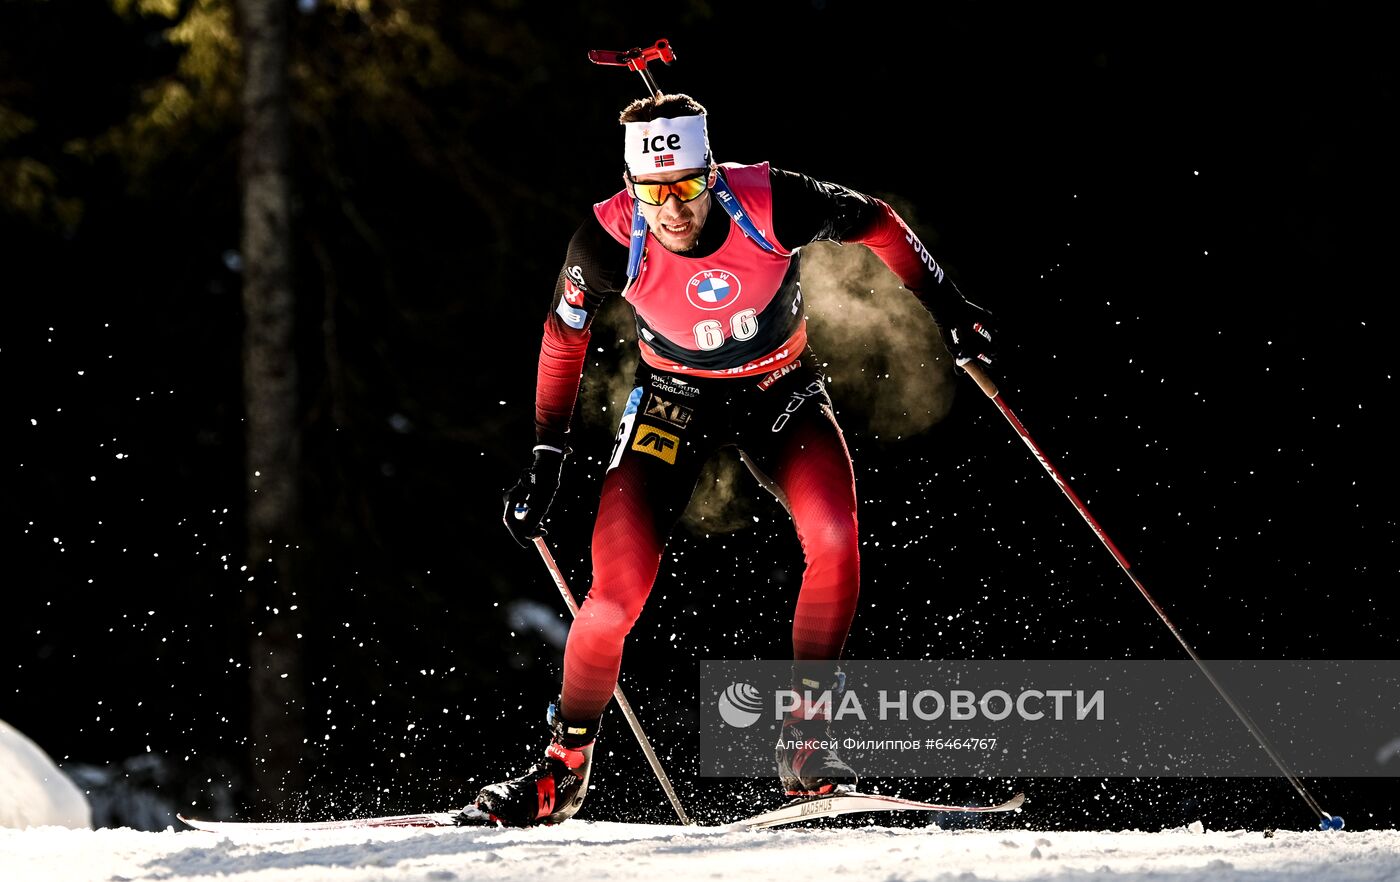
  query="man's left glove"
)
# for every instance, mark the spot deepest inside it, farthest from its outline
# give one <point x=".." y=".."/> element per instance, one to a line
<point x="528" y="501"/>
<point x="966" y="332"/>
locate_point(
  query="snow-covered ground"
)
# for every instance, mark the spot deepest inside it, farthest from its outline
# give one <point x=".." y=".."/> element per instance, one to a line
<point x="36" y="792"/>
<point x="581" y="850"/>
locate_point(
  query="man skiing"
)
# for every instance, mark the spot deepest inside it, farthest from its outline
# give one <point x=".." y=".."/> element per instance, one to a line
<point x="708" y="257"/>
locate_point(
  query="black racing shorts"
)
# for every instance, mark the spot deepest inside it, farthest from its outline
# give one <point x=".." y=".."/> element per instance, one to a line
<point x="672" y="424"/>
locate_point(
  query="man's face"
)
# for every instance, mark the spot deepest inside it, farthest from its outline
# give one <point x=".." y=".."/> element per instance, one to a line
<point x="676" y="224"/>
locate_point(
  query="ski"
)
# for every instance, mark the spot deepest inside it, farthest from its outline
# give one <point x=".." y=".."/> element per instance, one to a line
<point x="471" y="816"/>
<point x="854" y="801"/>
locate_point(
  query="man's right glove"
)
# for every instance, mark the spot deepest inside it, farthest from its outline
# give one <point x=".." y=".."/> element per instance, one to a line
<point x="528" y="501"/>
<point x="966" y="332"/>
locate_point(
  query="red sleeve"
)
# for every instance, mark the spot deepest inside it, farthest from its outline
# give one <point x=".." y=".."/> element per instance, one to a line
<point x="594" y="269"/>
<point x="556" y="386"/>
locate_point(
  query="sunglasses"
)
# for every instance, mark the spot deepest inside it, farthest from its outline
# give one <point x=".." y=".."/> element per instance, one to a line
<point x="685" y="189"/>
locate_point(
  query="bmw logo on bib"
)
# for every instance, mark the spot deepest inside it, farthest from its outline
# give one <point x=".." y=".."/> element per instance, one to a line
<point x="712" y="289"/>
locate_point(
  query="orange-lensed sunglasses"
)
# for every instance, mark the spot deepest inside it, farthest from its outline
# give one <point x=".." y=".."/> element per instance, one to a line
<point x="685" y="189"/>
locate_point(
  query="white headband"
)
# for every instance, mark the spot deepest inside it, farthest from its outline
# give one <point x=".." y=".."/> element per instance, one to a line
<point x="661" y="145"/>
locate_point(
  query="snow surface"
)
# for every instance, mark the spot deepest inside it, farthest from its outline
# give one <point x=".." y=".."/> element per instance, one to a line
<point x="580" y="850"/>
<point x="33" y="791"/>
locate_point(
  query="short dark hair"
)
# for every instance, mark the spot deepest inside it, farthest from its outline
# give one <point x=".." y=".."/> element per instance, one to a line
<point x="661" y="106"/>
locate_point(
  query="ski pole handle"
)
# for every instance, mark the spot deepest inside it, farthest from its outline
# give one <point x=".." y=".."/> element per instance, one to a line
<point x="634" y="59"/>
<point x="979" y="376"/>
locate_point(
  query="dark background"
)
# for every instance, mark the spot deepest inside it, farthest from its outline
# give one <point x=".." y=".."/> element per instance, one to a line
<point x="1182" y="224"/>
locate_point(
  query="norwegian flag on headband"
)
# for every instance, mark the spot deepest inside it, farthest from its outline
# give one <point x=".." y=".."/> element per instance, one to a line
<point x="665" y="159"/>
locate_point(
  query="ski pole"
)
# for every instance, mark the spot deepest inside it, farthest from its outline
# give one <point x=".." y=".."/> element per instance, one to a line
<point x="621" y="699"/>
<point x="984" y="382"/>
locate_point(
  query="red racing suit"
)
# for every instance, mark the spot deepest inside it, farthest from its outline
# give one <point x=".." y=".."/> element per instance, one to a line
<point x="722" y="332"/>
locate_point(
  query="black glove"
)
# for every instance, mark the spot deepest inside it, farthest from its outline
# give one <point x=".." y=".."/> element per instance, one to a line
<point x="966" y="332"/>
<point x="528" y="501"/>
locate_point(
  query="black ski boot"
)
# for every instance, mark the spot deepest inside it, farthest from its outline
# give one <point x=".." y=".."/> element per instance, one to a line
<point x="553" y="789"/>
<point x="808" y="764"/>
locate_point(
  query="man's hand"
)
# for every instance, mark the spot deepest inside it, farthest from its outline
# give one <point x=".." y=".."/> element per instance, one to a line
<point x="967" y="333"/>
<point x="528" y="501"/>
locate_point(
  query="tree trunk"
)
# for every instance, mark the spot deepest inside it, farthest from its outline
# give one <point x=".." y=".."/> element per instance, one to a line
<point x="273" y="424"/>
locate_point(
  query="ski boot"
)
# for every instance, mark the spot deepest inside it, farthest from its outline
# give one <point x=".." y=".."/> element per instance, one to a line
<point x="808" y="764"/>
<point x="553" y="789"/>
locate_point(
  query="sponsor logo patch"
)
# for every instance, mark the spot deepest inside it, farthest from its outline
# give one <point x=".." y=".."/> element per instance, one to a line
<point x="812" y="390"/>
<point x="656" y="441"/>
<point x="573" y="293"/>
<point x="574" y="318"/>
<point x="661" y="409"/>
<point x="712" y="289"/>
<point x="772" y="378"/>
<point x="674" y="386"/>
<point x="574" y="286"/>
